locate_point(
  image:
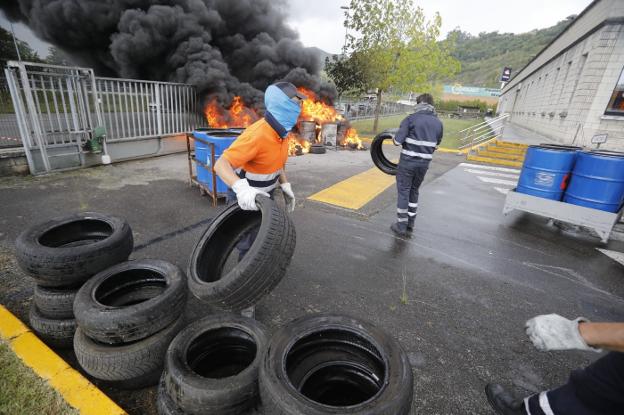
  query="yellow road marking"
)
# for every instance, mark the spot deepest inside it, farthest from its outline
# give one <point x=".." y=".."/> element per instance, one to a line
<point x="491" y="160"/>
<point x="356" y="191"/>
<point x="73" y="387"/>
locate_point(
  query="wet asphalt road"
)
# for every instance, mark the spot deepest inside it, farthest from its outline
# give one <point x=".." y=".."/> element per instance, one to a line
<point x="456" y="295"/>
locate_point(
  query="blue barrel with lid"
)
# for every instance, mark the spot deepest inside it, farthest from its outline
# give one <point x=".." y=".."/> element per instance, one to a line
<point x="222" y="139"/>
<point x="597" y="181"/>
<point x="546" y="170"/>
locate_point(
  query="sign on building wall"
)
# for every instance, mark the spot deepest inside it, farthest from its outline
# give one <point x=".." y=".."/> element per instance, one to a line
<point x="506" y="76"/>
<point x="471" y="91"/>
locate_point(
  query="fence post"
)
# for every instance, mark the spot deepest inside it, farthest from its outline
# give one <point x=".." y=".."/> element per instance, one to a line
<point x="158" y="111"/>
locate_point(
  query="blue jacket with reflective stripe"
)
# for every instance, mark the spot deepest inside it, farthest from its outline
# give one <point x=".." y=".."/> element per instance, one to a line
<point x="419" y="134"/>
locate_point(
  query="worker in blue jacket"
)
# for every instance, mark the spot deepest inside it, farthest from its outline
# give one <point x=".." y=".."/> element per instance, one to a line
<point x="419" y="136"/>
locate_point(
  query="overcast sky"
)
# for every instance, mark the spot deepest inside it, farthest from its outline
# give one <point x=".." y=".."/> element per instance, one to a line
<point x="319" y="22"/>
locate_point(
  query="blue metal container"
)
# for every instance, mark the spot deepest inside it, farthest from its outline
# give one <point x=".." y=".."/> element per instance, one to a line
<point x="546" y="170"/>
<point x="222" y="139"/>
<point x="597" y="181"/>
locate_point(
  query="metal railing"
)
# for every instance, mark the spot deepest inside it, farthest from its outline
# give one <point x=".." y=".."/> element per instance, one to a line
<point x="58" y="110"/>
<point x="364" y="110"/>
<point x="134" y="109"/>
<point x="9" y="129"/>
<point x="487" y="130"/>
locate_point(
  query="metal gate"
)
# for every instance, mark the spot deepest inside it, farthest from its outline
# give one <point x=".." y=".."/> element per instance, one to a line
<point x="58" y="110"/>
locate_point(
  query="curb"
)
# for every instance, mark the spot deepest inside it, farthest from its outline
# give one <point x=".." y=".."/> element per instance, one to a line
<point x="75" y="389"/>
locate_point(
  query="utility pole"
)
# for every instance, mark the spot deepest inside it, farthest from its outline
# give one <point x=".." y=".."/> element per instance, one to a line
<point x="344" y="48"/>
<point x="19" y="58"/>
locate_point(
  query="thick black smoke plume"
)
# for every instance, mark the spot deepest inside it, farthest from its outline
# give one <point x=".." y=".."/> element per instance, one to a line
<point x="223" y="47"/>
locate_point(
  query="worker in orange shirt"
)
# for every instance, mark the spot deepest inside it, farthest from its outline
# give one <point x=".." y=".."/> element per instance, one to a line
<point x="254" y="164"/>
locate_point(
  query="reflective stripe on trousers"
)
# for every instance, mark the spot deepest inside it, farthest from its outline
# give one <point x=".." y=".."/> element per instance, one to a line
<point x="409" y="178"/>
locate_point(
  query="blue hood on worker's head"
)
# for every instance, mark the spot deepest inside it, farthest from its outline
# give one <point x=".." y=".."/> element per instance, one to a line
<point x="280" y="110"/>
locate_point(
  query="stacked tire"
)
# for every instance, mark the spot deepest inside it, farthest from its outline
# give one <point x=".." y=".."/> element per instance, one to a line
<point x="62" y="254"/>
<point x="315" y="365"/>
<point x="127" y="315"/>
<point x="211" y="367"/>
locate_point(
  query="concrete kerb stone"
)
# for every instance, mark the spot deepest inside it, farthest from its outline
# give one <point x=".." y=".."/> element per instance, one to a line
<point x="75" y="389"/>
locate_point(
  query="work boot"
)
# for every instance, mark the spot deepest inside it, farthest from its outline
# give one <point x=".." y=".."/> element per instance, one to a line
<point x="502" y="401"/>
<point x="396" y="228"/>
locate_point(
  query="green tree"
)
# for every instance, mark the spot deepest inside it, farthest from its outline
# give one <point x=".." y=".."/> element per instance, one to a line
<point x="347" y="73"/>
<point x="398" y="47"/>
<point x="58" y="57"/>
<point x="7" y="49"/>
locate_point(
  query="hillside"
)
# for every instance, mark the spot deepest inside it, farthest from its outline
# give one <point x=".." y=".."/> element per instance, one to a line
<point x="483" y="57"/>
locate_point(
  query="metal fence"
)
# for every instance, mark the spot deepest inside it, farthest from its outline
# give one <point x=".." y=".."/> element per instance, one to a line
<point x="139" y="109"/>
<point x="354" y="110"/>
<point x="9" y="130"/>
<point x="57" y="110"/>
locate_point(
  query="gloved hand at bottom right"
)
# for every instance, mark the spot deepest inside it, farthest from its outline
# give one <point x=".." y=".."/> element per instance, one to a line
<point x="554" y="332"/>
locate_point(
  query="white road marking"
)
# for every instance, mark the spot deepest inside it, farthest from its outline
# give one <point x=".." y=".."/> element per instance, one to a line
<point x="502" y="190"/>
<point x="493" y="173"/>
<point x="614" y="255"/>
<point x="497" y="181"/>
<point x="494" y="168"/>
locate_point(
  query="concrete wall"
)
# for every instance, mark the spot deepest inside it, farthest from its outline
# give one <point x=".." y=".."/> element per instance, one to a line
<point x="15" y="163"/>
<point x="564" y="92"/>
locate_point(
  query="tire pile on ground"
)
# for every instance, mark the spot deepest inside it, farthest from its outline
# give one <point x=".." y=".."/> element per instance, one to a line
<point x="60" y="255"/>
<point x="127" y="316"/>
<point x="320" y="364"/>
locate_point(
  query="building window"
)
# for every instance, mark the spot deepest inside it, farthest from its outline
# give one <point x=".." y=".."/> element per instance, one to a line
<point x="616" y="103"/>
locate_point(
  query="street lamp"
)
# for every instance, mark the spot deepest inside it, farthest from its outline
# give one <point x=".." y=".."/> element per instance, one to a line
<point x="19" y="58"/>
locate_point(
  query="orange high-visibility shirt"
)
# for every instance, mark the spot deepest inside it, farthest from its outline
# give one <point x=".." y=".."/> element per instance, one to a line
<point x="260" y="153"/>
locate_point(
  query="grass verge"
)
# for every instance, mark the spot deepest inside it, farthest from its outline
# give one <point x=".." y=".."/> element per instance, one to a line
<point x="22" y="392"/>
<point x="452" y="126"/>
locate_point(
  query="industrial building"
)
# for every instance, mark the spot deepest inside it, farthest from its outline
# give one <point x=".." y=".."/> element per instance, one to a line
<point x="573" y="90"/>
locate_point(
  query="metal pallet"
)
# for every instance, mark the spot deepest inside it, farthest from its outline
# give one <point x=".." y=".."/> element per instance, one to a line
<point x="600" y="221"/>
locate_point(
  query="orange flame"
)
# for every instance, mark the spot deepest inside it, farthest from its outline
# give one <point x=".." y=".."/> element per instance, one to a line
<point x="352" y="139"/>
<point x="313" y="109"/>
<point x="238" y="115"/>
<point x="297" y="146"/>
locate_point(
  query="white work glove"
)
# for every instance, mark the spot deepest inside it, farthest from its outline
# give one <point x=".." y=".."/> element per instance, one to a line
<point x="246" y="195"/>
<point x="553" y="332"/>
<point x="289" y="196"/>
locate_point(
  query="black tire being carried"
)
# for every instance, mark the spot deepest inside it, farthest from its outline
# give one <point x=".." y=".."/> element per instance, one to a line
<point x="131" y="301"/>
<point x="54" y="332"/>
<point x="127" y="366"/>
<point x="55" y="303"/>
<point x="67" y="251"/>
<point x="328" y="364"/>
<point x="212" y="365"/>
<point x="260" y="270"/>
<point x="379" y="158"/>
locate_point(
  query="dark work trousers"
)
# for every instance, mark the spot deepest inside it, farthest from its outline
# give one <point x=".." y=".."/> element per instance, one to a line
<point x="596" y="390"/>
<point x="409" y="177"/>
<point x="248" y="238"/>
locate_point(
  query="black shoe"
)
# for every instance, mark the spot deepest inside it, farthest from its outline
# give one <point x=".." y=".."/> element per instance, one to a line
<point x="502" y="401"/>
<point x="398" y="231"/>
<point x="410" y="229"/>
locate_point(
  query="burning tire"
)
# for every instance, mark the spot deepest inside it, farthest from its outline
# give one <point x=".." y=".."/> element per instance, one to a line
<point x="318" y="149"/>
<point x="258" y="272"/>
<point x="131" y="301"/>
<point x="331" y="364"/>
<point x="54" y="332"/>
<point x="379" y="158"/>
<point x="67" y="251"/>
<point x="128" y="366"/>
<point x="212" y="366"/>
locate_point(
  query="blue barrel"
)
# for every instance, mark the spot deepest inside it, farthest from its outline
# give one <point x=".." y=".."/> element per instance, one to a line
<point x="597" y="181"/>
<point x="546" y="170"/>
<point x="222" y="139"/>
